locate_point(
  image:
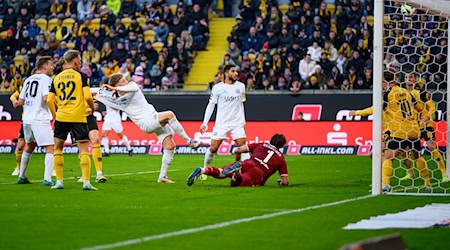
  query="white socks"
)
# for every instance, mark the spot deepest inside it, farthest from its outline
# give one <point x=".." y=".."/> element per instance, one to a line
<point x="175" y="124"/>
<point x="24" y="164"/>
<point x="126" y="142"/>
<point x="208" y="158"/>
<point x="105" y="144"/>
<point x="48" y="167"/>
<point x="166" y="161"/>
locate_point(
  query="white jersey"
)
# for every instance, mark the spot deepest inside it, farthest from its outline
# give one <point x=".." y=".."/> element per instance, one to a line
<point x="35" y="109"/>
<point x="230" y="100"/>
<point x="112" y="115"/>
<point x="133" y="103"/>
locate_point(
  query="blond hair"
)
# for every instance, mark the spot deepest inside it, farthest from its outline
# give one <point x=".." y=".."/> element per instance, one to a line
<point x="70" y="55"/>
<point x="114" y="79"/>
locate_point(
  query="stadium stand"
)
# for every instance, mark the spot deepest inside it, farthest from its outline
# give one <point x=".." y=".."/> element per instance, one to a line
<point x="145" y="30"/>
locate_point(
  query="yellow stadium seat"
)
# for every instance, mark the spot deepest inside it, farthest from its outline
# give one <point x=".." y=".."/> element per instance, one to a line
<point x="330" y="8"/>
<point x="52" y="23"/>
<point x="158" y="46"/>
<point x="70" y="45"/>
<point x="173" y="8"/>
<point x="42" y="23"/>
<point x="370" y="20"/>
<point x="149" y="35"/>
<point x="68" y="23"/>
<point x="387" y="19"/>
<point x="1" y="22"/>
<point x="126" y="21"/>
<point x="142" y="21"/>
<point x="3" y="35"/>
<point x="18" y="60"/>
<point x="283" y="8"/>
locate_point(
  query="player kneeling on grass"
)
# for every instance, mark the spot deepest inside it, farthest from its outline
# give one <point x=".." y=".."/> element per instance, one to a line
<point x="131" y="100"/>
<point x="266" y="159"/>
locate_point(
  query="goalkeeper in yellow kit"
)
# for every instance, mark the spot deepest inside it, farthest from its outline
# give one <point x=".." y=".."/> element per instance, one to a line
<point x="426" y="125"/>
<point x="401" y="110"/>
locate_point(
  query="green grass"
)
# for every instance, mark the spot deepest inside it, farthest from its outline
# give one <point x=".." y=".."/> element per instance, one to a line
<point x="134" y="206"/>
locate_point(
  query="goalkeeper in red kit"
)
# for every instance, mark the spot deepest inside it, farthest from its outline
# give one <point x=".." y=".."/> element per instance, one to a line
<point x="266" y="159"/>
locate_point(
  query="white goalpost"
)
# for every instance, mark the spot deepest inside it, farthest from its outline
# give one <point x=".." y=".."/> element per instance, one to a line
<point x="427" y="9"/>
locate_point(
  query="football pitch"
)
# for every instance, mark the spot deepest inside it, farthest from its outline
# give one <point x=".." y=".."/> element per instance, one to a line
<point x="132" y="211"/>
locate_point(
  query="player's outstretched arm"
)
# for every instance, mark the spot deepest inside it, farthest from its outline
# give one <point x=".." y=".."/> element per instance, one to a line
<point x="51" y="104"/>
<point x="363" y="112"/>
<point x="208" y="113"/>
<point x="284" y="181"/>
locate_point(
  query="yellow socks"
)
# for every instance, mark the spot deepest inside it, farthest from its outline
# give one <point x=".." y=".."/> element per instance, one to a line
<point x="437" y="156"/>
<point x="423" y="170"/>
<point x="58" y="164"/>
<point x="97" y="156"/>
<point x="386" y="172"/>
<point x="18" y="157"/>
<point x="85" y="164"/>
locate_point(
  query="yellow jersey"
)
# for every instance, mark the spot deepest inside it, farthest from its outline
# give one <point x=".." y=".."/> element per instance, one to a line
<point x="71" y="89"/>
<point x="430" y="111"/>
<point x="402" y="109"/>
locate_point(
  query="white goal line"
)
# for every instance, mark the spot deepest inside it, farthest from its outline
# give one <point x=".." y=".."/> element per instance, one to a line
<point x="219" y="225"/>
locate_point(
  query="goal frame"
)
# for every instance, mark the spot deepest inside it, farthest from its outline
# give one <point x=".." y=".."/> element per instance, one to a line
<point x="435" y="7"/>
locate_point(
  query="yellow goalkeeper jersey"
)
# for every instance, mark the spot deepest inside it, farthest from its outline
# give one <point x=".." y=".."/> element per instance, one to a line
<point x="401" y="110"/>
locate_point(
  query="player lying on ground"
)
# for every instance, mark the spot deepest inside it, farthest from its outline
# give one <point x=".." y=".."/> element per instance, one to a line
<point x="266" y="159"/>
<point x="130" y="99"/>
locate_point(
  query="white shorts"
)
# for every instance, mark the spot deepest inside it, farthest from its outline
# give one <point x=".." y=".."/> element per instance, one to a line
<point x="116" y="125"/>
<point x="41" y="134"/>
<point x="220" y="133"/>
<point x="151" y="125"/>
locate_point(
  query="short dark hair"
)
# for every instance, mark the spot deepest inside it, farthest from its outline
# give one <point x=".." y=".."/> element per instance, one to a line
<point x="278" y="140"/>
<point x="388" y="76"/>
<point x="42" y="61"/>
<point x="228" y="67"/>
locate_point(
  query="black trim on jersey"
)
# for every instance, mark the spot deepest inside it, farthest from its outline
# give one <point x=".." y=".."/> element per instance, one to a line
<point x="84" y="79"/>
<point x="413" y="99"/>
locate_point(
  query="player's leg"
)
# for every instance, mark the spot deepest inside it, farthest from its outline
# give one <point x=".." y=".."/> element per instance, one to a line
<point x="60" y="135"/>
<point x="409" y="166"/>
<point x="421" y="163"/>
<point x="392" y="150"/>
<point x="168" y="117"/>
<point x="240" y="138"/>
<point x="211" y="152"/>
<point x="20" y="145"/>
<point x="94" y="137"/>
<point x="26" y="155"/>
<point x="81" y="133"/>
<point x="165" y="136"/>
<point x="210" y="171"/>
<point x="105" y="141"/>
<point x="119" y="130"/>
<point x="437" y="156"/>
<point x="43" y="135"/>
<point x="250" y="175"/>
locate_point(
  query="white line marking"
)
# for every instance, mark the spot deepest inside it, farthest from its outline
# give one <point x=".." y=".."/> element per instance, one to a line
<point x="219" y="225"/>
<point x="108" y="175"/>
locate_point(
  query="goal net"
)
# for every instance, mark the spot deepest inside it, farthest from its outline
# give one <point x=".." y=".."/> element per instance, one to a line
<point x="414" y="50"/>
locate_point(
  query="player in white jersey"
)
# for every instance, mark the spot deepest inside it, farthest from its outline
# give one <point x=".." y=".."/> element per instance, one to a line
<point x="131" y="100"/>
<point x="36" y="118"/>
<point x="229" y="96"/>
<point x="113" y="121"/>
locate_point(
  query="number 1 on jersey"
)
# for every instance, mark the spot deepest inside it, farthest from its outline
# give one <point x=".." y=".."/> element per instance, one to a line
<point x="269" y="155"/>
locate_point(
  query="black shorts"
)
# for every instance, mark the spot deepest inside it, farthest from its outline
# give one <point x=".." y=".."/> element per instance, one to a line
<point x="403" y="144"/>
<point x="91" y="123"/>
<point x="21" y="135"/>
<point x="427" y="133"/>
<point x="78" y="130"/>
